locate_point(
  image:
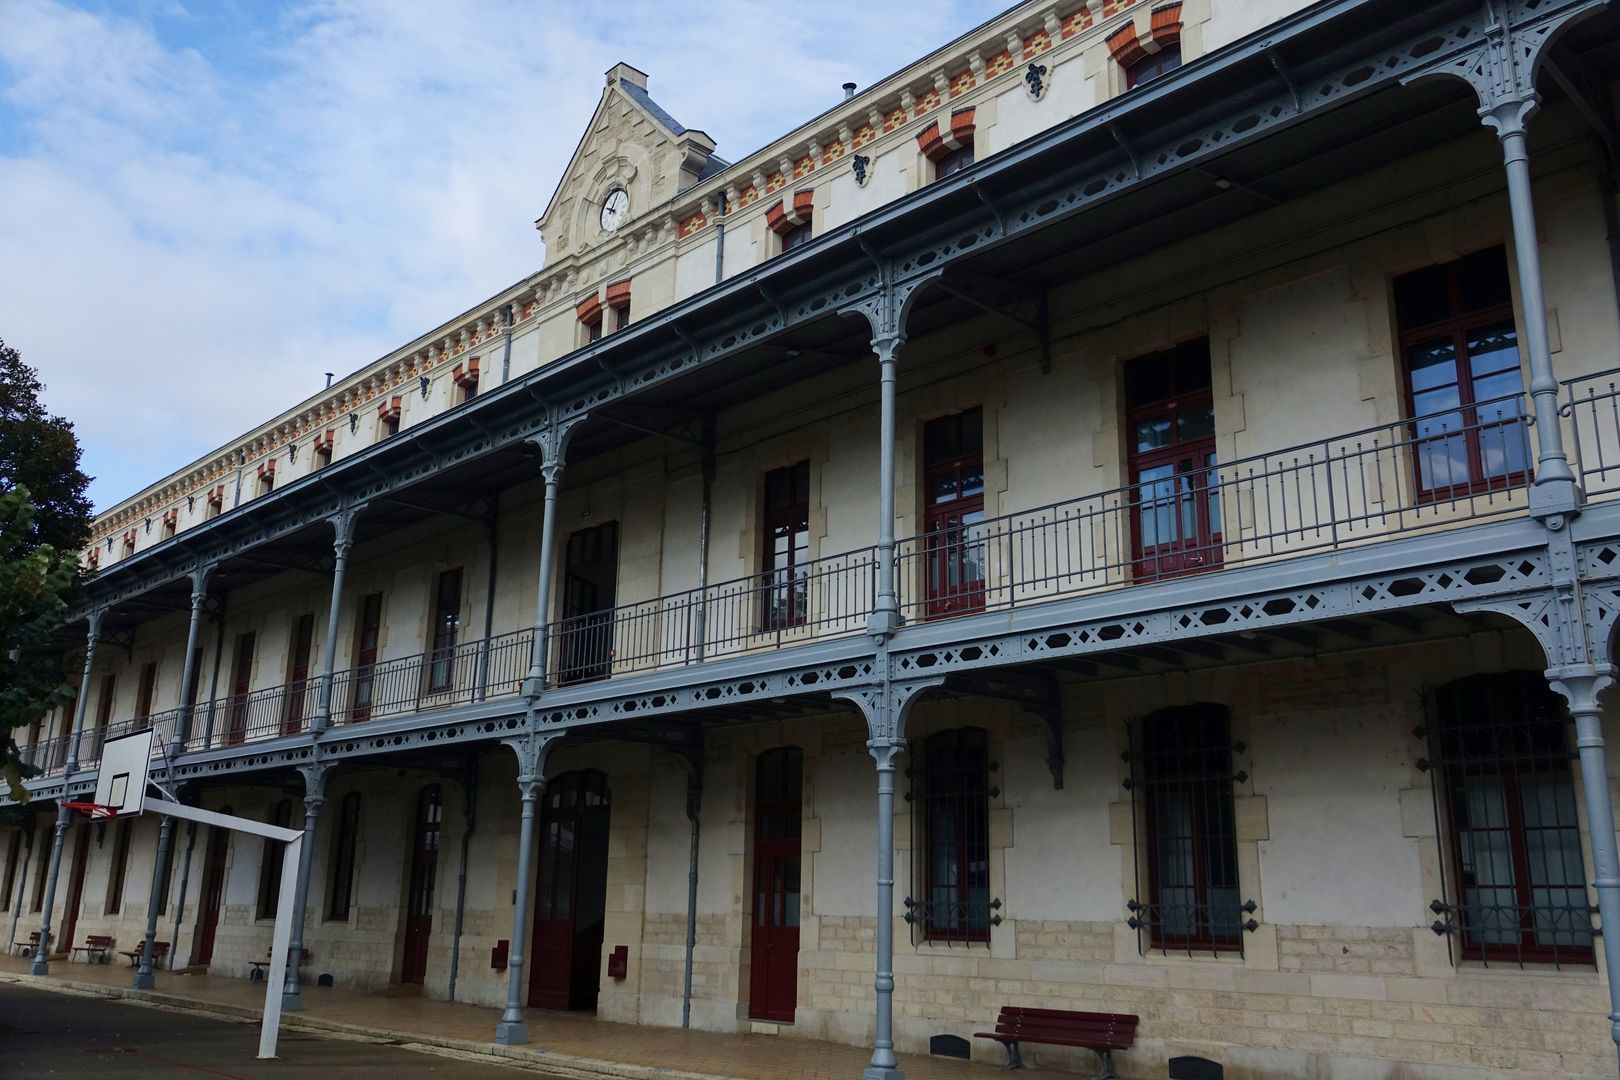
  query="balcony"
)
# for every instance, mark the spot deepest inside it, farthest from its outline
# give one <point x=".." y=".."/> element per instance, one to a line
<point x="1416" y="475"/>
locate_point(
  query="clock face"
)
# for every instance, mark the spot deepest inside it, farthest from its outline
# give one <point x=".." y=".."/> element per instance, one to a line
<point x="614" y="209"/>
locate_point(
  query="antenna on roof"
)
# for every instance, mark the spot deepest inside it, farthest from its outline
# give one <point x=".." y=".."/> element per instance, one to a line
<point x="849" y="90"/>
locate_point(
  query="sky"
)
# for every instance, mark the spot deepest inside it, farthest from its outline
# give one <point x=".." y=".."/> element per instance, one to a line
<point x="207" y="204"/>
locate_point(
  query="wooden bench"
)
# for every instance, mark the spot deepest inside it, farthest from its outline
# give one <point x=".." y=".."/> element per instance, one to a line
<point x="95" y="948"/>
<point x="159" y="950"/>
<point x="27" y="948"/>
<point x="258" y="966"/>
<point x="1101" y="1033"/>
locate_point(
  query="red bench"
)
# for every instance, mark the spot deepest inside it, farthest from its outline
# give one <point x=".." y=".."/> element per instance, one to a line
<point x="1101" y="1033"/>
<point x="95" y="947"/>
<point x="160" y="949"/>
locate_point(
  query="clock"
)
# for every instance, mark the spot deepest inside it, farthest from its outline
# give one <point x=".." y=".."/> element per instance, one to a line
<point x="614" y="209"/>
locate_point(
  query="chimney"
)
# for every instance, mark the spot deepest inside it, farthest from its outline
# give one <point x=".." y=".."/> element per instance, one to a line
<point x="849" y="90"/>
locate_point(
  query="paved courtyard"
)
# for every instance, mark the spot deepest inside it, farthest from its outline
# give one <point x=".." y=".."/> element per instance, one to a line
<point x="569" y="1043"/>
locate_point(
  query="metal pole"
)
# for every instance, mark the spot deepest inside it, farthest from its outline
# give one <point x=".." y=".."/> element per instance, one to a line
<point x="481" y="688"/>
<point x="315" y="777"/>
<point x="1582" y="691"/>
<point x="40" y="965"/>
<point x="342" y="541"/>
<point x="144" y="979"/>
<point x="885" y="1066"/>
<point x="511" y="1030"/>
<point x="694" y="797"/>
<point x="22" y="882"/>
<point x="180" y="900"/>
<point x="506" y="347"/>
<point x="470" y="787"/>
<point x="278" y="948"/>
<point x="188" y="670"/>
<point x="535" y="683"/>
<point x="886" y="611"/>
<point x="706" y="466"/>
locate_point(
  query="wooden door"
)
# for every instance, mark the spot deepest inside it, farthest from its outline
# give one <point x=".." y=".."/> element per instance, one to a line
<point x="367" y="632"/>
<point x="953" y="478"/>
<point x="773" y="985"/>
<point x="213" y="893"/>
<point x="590" y="582"/>
<point x="303" y="640"/>
<point x="1175" y="497"/>
<point x="70" y="914"/>
<point x="241" y="685"/>
<point x="424" y="858"/>
<point x="565" y="960"/>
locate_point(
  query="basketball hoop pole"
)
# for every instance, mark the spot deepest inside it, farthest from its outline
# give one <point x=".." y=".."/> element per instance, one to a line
<point x="294" y="839"/>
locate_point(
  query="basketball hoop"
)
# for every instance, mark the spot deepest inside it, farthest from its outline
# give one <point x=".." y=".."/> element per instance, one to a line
<point x="96" y="811"/>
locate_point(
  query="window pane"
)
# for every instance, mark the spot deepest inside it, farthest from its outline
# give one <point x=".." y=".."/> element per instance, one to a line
<point x="1153" y="434"/>
<point x="1494" y="349"/>
<point x="1423" y="297"/>
<point x="1432" y="364"/>
<point x="1483" y="280"/>
<point x="1196" y="423"/>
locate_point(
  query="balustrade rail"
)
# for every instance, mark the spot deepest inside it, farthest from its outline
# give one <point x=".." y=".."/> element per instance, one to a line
<point x="1426" y="472"/>
<point x="1592" y="407"/>
<point x="50" y="755"/>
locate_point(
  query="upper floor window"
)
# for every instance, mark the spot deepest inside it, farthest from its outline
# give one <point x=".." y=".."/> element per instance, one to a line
<point x="791" y="219"/>
<point x="953" y="491"/>
<point x="446" y="631"/>
<point x="388" y="414"/>
<point x="1181" y="780"/>
<point x="950" y="147"/>
<point x="954" y="161"/>
<point x="786" y="529"/>
<point x="1460" y="350"/>
<point x="145" y="690"/>
<point x="951" y="843"/>
<point x="267" y="476"/>
<point x="1512" y="832"/>
<point x="797" y="236"/>
<point x="465" y="376"/>
<point x="1175" y="496"/>
<point x="1153" y="65"/>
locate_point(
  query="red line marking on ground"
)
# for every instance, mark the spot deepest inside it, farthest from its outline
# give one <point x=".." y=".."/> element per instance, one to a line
<point x="185" y="1065"/>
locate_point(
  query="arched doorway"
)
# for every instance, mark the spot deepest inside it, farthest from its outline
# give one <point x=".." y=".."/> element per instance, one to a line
<point x="773" y="978"/>
<point x="571" y="892"/>
<point x="424" y="860"/>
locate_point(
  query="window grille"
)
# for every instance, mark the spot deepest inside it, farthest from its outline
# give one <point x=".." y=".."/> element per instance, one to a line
<point x="1184" y="833"/>
<point x="343" y="852"/>
<point x="1513" y="877"/>
<point x="950" y="821"/>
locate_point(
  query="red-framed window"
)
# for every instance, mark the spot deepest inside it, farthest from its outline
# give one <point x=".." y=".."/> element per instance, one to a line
<point x="953" y="513"/>
<point x="1464" y="387"/>
<point x="446" y="631"/>
<point x="367" y="634"/>
<point x="1175" y="499"/>
<point x="241" y="688"/>
<point x="145" y="690"/>
<point x="1147" y="68"/>
<point x="1502" y="757"/>
<point x="786" y="531"/>
<point x="1182" y="776"/>
<point x="104" y="705"/>
<point x="798" y="235"/>
<point x="951" y="819"/>
<point x="298" y="685"/>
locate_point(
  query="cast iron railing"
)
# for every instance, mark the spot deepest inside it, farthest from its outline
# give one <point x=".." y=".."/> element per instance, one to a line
<point x="1415" y="474"/>
<point x="1592" y="407"/>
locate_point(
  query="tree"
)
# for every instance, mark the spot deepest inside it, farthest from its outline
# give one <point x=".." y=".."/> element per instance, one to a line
<point x="35" y="582"/>
<point x="40" y="452"/>
<point x="44" y="522"/>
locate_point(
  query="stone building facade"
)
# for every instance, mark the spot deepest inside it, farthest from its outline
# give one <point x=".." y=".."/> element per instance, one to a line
<point x="1174" y="443"/>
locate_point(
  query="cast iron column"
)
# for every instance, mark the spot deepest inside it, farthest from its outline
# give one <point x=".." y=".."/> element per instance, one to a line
<point x="188" y="669"/>
<point x="40" y="965"/>
<point x="342" y="541"/>
<point x="886" y="610"/>
<point x="1582" y="687"/>
<point x="884" y="1065"/>
<point x="553" y="444"/>
<point x="144" y="979"/>
<point x="315" y="777"/>
<point x="532" y="752"/>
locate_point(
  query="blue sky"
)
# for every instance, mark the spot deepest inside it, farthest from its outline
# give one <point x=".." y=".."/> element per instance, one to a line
<point x="206" y="205"/>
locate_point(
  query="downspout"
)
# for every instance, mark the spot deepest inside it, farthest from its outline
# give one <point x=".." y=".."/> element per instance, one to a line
<point x="492" y="525"/>
<point x="470" y="785"/>
<point x="694" y="799"/>
<point x="180" y="899"/>
<point x="720" y="237"/>
<point x="506" y="349"/>
<point x="213" y="681"/>
<point x="707" y="467"/>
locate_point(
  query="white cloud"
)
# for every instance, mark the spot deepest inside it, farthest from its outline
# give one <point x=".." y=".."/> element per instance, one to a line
<point x="201" y="211"/>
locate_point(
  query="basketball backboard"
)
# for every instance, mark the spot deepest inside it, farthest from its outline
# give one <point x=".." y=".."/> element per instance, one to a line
<point x="121" y="783"/>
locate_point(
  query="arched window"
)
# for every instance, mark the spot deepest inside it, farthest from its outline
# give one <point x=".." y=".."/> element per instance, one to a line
<point x="1512" y="837"/>
<point x="1181" y="790"/>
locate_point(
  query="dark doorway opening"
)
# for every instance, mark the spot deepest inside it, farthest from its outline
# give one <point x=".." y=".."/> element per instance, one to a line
<point x="570" y="906"/>
<point x="424" y="856"/>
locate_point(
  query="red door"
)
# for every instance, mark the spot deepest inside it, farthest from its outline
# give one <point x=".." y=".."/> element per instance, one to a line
<point x="953" y="478"/>
<point x="213" y="893"/>
<point x="241" y="685"/>
<point x="773" y="986"/>
<point x="1175" y="499"/>
<point x="292" y="717"/>
<point x="565" y="961"/>
<point x="70" y="914"/>
<point x="424" y="873"/>
<point x="367" y="633"/>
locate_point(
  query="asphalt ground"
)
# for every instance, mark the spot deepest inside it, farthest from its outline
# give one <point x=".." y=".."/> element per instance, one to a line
<point x="48" y="1034"/>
